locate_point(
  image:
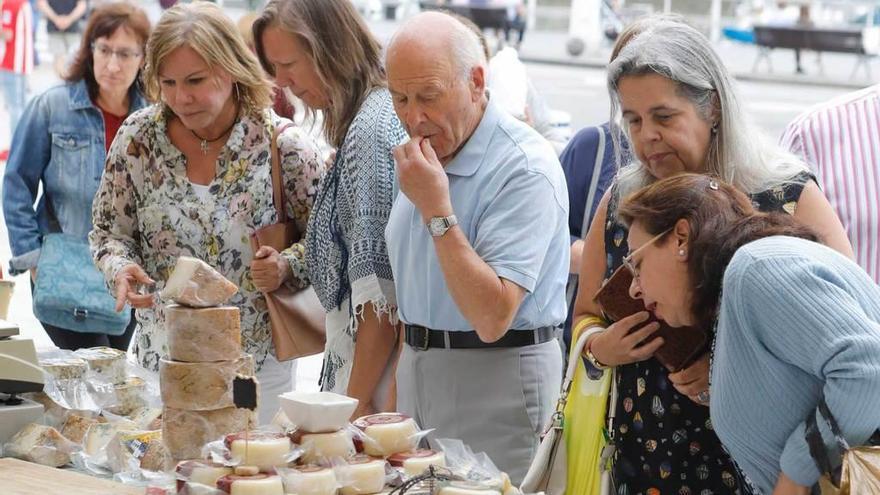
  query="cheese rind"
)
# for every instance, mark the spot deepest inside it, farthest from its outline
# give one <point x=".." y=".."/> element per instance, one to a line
<point x="39" y="444"/>
<point x="106" y="364"/>
<point x="201" y="386"/>
<point x="324" y="446"/>
<point x="76" y="427"/>
<point x="195" y="283"/>
<point x="264" y="450"/>
<point x="203" y="334"/>
<point x="186" y="432"/>
<point x="65" y="368"/>
<point x="156" y="457"/>
<point x="388" y="433"/>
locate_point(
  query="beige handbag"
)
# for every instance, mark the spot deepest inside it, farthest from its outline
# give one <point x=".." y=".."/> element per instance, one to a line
<point x="297" y="317"/>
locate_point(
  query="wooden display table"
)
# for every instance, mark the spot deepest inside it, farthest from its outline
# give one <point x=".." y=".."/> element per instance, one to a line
<point x="26" y="478"/>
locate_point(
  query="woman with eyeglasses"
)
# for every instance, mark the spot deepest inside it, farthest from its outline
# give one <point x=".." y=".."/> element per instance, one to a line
<point x="61" y="142"/>
<point x="680" y="113"/>
<point x="795" y="322"/>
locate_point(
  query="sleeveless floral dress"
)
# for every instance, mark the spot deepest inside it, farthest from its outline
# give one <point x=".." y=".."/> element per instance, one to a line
<point x="665" y="441"/>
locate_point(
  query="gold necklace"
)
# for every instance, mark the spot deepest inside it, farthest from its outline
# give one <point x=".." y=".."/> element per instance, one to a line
<point x="204" y="143"/>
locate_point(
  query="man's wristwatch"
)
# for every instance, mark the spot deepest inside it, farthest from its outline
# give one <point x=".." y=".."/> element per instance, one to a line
<point x="438" y="226"/>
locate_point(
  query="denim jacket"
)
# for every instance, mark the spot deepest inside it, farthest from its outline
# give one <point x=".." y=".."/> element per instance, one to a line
<point x="58" y="142"/>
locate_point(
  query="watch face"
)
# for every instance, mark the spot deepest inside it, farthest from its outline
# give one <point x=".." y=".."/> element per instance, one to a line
<point x="437" y="226"/>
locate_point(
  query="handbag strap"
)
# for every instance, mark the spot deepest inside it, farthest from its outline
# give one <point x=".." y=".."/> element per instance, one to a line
<point x="573" y="361"/>
<point x="277" y="180"/>
<point x="814" y="438"/>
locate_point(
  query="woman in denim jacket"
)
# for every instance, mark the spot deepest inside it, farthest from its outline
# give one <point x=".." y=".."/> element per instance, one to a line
<point x="61" y="143"/>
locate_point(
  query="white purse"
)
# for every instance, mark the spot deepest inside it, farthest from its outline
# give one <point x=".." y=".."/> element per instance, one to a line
<point x="548" y="471"/>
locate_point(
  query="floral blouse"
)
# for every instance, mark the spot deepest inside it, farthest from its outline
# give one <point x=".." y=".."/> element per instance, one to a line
<point x="147" y="212"/>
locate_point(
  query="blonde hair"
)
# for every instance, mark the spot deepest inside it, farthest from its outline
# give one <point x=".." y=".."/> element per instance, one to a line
<point x="204" y="27"/>
<point x="333" y="33"/>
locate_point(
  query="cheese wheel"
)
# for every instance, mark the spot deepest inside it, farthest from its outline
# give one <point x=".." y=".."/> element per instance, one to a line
<point x="417" y="462"/>
<point x="388" y="433"/>
<point x="324" y="446"/>
<point x="258" y="484"/>
<point x="203" y="334"/>
<point x="65" y="368"/>
<point x="39" y="444"/>
<point x="199" y="472"/>
<point x="106" y="365"/>
<point x="186" y="432"/>
<point x="201" y="386"/>
<point x="364" y="475"/>
<point x="76" y="427"/>
<point x="195" y="283"/>
<point x="312" y="480"/>
<point x="264" y="450"/>
<point x="130" y="396"/>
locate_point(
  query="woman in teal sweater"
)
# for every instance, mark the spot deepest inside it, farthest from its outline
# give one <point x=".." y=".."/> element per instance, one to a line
<point x="793" y="321"/>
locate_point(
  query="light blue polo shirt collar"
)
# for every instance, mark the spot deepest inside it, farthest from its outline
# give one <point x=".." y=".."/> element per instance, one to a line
<point x="471" y="156"/>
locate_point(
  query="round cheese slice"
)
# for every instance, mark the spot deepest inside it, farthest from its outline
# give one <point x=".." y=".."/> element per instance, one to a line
<point x="258" y="484"/>
<point x="264" y="450"/>
<point x="324" y="446"/>
<point x="364" y="475"/>
<point x="201" y="386"/>
<point x="388" y="433"/>
<point x="203" y="334"/>
<point x="417" y="462"/>
<point x="200" y="472"/>
<point x="312" y="480"/>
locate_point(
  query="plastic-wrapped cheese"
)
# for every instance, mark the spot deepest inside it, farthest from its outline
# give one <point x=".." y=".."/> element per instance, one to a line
<point x="130" y="396"/>
<point x="200" y="472"/>
<point x="416" y="462"/>
<point x="156" y="457"/>
<point x="99" y="436"/>
<point x="39" y="444"/>
<point x="311" y="480"/>
<point x="465" y="488"/>
<point x="258" y="484"/>
<point x="201" y="386"/>
<point x="388" y="433"/>
<point x="106" y="364"/>
<point x="76" y="427"/>
<point x="65" y="368"/>
<point x="147" y="418"/>
<point x="186" y="432"/>
<point x="128" y="448"/>
<point x="324" y="446"/>
<point x="203" y="334"/>
<point x="264" y="450"/>
<point x="363" y="475"/>
<point x="195" y="283"/>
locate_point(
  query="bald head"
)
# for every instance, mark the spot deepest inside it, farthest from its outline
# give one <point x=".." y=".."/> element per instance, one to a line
<point x="439" y="37"/>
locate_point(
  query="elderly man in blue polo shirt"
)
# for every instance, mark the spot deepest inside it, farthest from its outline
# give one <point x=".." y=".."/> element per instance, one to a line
<point x="478" y="242"/>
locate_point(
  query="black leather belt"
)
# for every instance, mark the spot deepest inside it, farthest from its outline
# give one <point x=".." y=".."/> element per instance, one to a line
<point x="422" y="338"/>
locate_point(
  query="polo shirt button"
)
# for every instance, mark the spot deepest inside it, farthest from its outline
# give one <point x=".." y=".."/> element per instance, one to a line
<point x="72" y="142"/>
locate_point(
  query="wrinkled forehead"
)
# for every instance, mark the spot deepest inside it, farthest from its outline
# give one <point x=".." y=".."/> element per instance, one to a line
<point x="407" y="70"/>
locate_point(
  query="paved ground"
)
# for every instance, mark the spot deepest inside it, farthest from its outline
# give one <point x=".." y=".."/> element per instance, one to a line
<point x="575" y="85"/>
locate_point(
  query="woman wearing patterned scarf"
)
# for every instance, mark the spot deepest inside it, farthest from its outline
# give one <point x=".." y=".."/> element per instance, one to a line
<point x="325" y="54"/>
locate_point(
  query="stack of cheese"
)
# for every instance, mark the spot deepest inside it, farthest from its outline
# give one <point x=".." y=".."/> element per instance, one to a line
<point x="204" y="357"/>
<point x="395" y="436"/>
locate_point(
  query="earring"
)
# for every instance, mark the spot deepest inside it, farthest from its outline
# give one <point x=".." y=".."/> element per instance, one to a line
<point x="681" y="252"/>
<point x="715" y="127"/>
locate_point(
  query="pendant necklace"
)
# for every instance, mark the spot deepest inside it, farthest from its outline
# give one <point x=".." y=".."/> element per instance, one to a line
<point x="204" y="144"/>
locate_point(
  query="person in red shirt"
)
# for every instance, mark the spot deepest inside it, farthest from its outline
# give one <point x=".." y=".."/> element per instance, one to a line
<point x="18" y="58"/>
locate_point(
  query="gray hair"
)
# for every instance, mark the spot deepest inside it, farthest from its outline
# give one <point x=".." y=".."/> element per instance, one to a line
<point x="737" y="152"/>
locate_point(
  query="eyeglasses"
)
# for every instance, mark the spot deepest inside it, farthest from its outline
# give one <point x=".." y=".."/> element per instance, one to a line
<point x="628" y="259"/>
<point x="124" y="55"/>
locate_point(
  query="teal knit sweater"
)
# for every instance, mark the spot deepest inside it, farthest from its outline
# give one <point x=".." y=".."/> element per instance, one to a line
<point x="797" y="320"/>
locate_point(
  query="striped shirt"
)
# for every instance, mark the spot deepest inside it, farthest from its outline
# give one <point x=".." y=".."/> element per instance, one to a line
<point x="15" y="16"/>
<point x="840" y="140"/>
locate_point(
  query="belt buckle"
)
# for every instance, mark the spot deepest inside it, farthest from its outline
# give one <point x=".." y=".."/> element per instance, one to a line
<point x="426" y="341"/>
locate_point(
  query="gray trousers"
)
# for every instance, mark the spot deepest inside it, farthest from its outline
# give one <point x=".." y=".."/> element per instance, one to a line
<point x="496" y="401"/>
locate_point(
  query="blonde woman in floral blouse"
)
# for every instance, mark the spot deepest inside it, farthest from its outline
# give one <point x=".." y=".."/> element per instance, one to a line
<point x="191" y="176"/>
